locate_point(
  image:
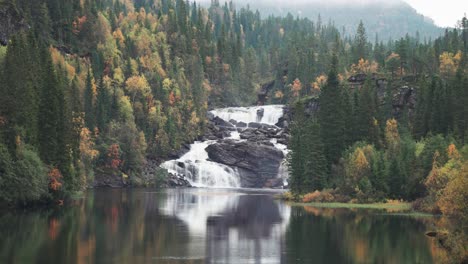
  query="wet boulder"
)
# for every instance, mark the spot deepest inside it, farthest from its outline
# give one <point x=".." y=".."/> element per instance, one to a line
<point x="256" y="162"/>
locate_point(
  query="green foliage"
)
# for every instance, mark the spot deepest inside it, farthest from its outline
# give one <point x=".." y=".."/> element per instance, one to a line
<point x="23" y="179"/>
<point x="332" y="116"/>
<point x="307" y="164"/>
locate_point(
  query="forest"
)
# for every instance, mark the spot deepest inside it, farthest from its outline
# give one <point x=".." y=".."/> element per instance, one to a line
<point x="94" y="88"/>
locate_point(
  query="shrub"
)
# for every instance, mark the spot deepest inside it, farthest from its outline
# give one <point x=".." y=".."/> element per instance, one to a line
<point x="24" y="180"/>
<point x="311" y="197"/>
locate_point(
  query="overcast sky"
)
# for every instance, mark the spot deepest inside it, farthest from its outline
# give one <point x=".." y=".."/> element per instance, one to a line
<point x="445" y="13"/>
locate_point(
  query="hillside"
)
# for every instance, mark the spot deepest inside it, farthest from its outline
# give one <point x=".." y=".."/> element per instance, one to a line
<point x="388" y="19"/>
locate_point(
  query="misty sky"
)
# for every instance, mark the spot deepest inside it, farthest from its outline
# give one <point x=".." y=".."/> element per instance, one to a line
<point x="445" y="13"/>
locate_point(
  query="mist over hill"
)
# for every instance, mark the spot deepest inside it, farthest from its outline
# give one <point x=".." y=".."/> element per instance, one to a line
<point x="388" y="19"/>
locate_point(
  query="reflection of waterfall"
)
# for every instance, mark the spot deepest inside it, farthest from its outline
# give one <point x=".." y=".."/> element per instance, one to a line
<point x="237" y="227"/>
<point x="204" y="173"/>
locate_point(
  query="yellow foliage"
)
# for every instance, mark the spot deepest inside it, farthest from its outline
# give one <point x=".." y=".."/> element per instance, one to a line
<point x="360" y="160"/>
<point x="137" y="85"/>
<point x="279" y="95"/>
<point x="392" y="135"/>
<point x="364" y="66"/>
<point x="449" y="63"/>
<point x="87" y="145"/>
<point x="453" y="202"/>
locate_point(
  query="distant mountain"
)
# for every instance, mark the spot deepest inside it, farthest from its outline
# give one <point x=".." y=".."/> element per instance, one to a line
<point x="389" y="19"/>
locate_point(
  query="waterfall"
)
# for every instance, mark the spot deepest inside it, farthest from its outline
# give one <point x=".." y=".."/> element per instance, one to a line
<point x="271" y="114"/>
<point x="195" y="164"/>
<point x="200" y="171"/>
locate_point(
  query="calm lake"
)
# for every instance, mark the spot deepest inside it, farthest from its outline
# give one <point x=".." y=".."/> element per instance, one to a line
<point x="209" y="226"/>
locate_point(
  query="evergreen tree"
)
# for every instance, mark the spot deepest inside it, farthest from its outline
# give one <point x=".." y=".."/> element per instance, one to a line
<point x="367" y="126"/>
<point x="89" y="102"/>
<point x="315" y="172"/>
<point x="19" y="102"/>
<point x="51" y="113"/>
<point x="361" y="42"/>
<point x="296" y="156"/>
<point x="331" y="116"/>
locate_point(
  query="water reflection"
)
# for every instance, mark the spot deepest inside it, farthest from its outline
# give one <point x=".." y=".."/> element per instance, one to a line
<point x="207" y="226"/>
<point x="233" y="227"/>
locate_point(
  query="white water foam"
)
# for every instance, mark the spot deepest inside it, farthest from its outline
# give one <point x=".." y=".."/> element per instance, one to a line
<point x="195" y="164"/>
<point x="271" y="114"/>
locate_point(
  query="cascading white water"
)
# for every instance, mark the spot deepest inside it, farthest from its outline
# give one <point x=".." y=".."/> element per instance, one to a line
<point x="201" y="172"/>
<point x="271" y="114"/>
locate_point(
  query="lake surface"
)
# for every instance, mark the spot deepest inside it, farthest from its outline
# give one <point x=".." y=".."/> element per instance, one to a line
<point x="209" y="226"/>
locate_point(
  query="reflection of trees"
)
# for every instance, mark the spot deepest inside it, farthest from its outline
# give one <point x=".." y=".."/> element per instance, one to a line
<point x="109" y="226"/>
<point x="346" y="236"/>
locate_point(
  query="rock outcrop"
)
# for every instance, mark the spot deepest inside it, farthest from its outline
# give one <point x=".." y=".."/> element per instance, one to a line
<point x="11" y="22"/>
<point x="256" y="162"/>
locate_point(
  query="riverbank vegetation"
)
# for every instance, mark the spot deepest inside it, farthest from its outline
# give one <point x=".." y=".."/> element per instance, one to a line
<point x="363" y="147"/>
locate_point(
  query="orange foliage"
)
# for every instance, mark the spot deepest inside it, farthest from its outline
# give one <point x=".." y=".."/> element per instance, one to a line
<point x="118" y="36"/>
<point x="54" y="179"/>
<point x="54" y="226"/>
<point x="172" y="98"/>
<point x="113" y="153"/>
<point x="311" y="197"/>
<point x="319" y="82"/>
<point x="453" y="152"/>
<point x="296" y="87"/>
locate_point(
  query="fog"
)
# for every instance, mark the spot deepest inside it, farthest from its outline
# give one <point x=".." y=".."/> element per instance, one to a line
<point x="444" y="13"/>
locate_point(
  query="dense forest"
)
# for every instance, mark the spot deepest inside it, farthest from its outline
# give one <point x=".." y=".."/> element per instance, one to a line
<point x="91" y="88"/>
<point x="395" y="129"/>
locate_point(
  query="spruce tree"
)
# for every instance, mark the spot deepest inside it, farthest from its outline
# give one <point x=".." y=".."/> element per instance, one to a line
<point x="89" y="102"/>
<point x="50" y="114"/>
<point x="331" y="116"/>
<point x="315" y="171"/>
<point x="367" y="114"/>
<point x="296" y="156"/>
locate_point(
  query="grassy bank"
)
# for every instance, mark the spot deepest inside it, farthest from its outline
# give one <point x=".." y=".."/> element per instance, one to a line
<point x="401" y="206"/>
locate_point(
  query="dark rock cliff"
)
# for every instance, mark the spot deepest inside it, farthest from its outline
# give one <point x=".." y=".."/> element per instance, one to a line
<point x="11" y="21"/>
